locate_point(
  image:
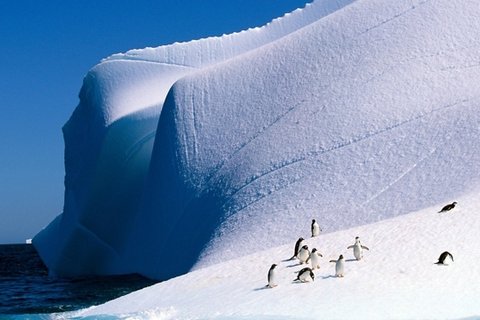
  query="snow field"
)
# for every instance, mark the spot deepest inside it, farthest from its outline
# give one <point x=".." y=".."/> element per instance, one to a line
<point x="396" y="279"/>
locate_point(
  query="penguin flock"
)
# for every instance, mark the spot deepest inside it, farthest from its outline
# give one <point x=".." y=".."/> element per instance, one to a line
<point x="305" y="256"/>
<point x="311" y="258"/>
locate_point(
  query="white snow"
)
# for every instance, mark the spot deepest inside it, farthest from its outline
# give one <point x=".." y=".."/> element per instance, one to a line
<point x="396" y="279"/>
<point x="351" y="119"/>
<point x="362" y="115"/>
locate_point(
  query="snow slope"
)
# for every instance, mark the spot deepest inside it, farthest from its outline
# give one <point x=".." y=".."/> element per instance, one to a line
<point x="352" y="119"/>
<point x="362" y="113"/>
<point x="397" y="279"/>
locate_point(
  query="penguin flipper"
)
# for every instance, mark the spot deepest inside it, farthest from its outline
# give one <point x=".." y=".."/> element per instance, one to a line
<point x="366" y="248"/>
<point x="333" y="260"/>
<point x="350" y="247"/>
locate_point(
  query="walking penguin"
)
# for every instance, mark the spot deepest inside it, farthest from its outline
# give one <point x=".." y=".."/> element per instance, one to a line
<point x="298" y="245"/>
<point x="357" y="249"/>
<point x="303" y="254"/>
<point x="315" y="228"/>
<point x="339" y="266"/>
<point x="272" y="275"/>
<point x="315" y="259"/>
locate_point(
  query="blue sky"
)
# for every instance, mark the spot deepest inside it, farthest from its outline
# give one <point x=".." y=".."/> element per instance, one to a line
<point x="46" y="47"/>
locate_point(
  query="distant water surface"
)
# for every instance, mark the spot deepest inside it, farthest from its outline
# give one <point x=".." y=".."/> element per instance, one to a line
<point x="26" y="288"/>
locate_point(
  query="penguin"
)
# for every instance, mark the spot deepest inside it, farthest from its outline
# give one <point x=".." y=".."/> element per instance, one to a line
<point x="272" y="275"/>
<point x="443" y="257"/>
<point x="357" y="249"/>
<point x="339" y="266"/>
<point x="315" y="259"/>
<point x="315" y="228"/>
<point x="448" y="207"/>
<point x="303" y="254"/>
<point x="305" y="275"/>
<point x="298" y="245"/>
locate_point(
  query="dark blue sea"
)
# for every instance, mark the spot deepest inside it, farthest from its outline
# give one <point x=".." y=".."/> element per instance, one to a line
<point x="26" y="288"/>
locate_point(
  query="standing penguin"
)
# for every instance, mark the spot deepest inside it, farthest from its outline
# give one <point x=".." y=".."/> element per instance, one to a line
<point x="357" y="249"/>
<point x="305" y="275"/>
<point x="303" y="254"/>
<point x="272" y="275"/>
<point x="443" y="257"/>
<point x="315" y="259"/>
<point x="298" y="245"/>
<point x="448" y="207"/>
<point x="315" y="228"/>
<point x="339" y="266"/>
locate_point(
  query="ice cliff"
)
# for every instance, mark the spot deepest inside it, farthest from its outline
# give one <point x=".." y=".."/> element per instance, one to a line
<point x="186" y="155"/>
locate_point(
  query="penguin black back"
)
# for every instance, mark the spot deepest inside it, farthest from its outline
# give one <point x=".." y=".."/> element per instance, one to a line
<point x="297" y="246"/>
<point x="270" y="272"/>
<point x="448" y="207"/>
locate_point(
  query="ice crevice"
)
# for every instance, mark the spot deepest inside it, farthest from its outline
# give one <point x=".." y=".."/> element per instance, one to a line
<point x="395" y="16"/>
<point x="315" y="153"/>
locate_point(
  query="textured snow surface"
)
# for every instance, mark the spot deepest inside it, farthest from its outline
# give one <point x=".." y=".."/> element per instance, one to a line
<point x="396" y="279"/>
<point x="185" y="156"/>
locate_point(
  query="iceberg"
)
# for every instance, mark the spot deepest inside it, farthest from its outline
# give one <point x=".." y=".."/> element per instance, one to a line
<point x="187" y="155"/>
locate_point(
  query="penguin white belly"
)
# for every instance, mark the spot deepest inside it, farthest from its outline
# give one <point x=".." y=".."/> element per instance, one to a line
<point x="315" y="260"/>
<point x="305" y="277"/>
<point x="316" y="230"/>
<point x="339" y="269"/>
<point x="358" y="252"/>
<point x="303" y="256"/>
<point x="272" y="281"/>
<point x="447" y="260"/>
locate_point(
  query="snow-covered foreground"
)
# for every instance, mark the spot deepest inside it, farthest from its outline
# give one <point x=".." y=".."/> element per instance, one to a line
<point x="397" y="279"/>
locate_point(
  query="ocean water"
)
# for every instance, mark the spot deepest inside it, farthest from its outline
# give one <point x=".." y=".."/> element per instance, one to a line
<point x="28" y="292"/>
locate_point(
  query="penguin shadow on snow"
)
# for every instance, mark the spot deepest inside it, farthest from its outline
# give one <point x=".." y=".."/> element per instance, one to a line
<point x="295" y="265"/>
<point x="262" y="288"/>
<point x="295" y="282"/>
